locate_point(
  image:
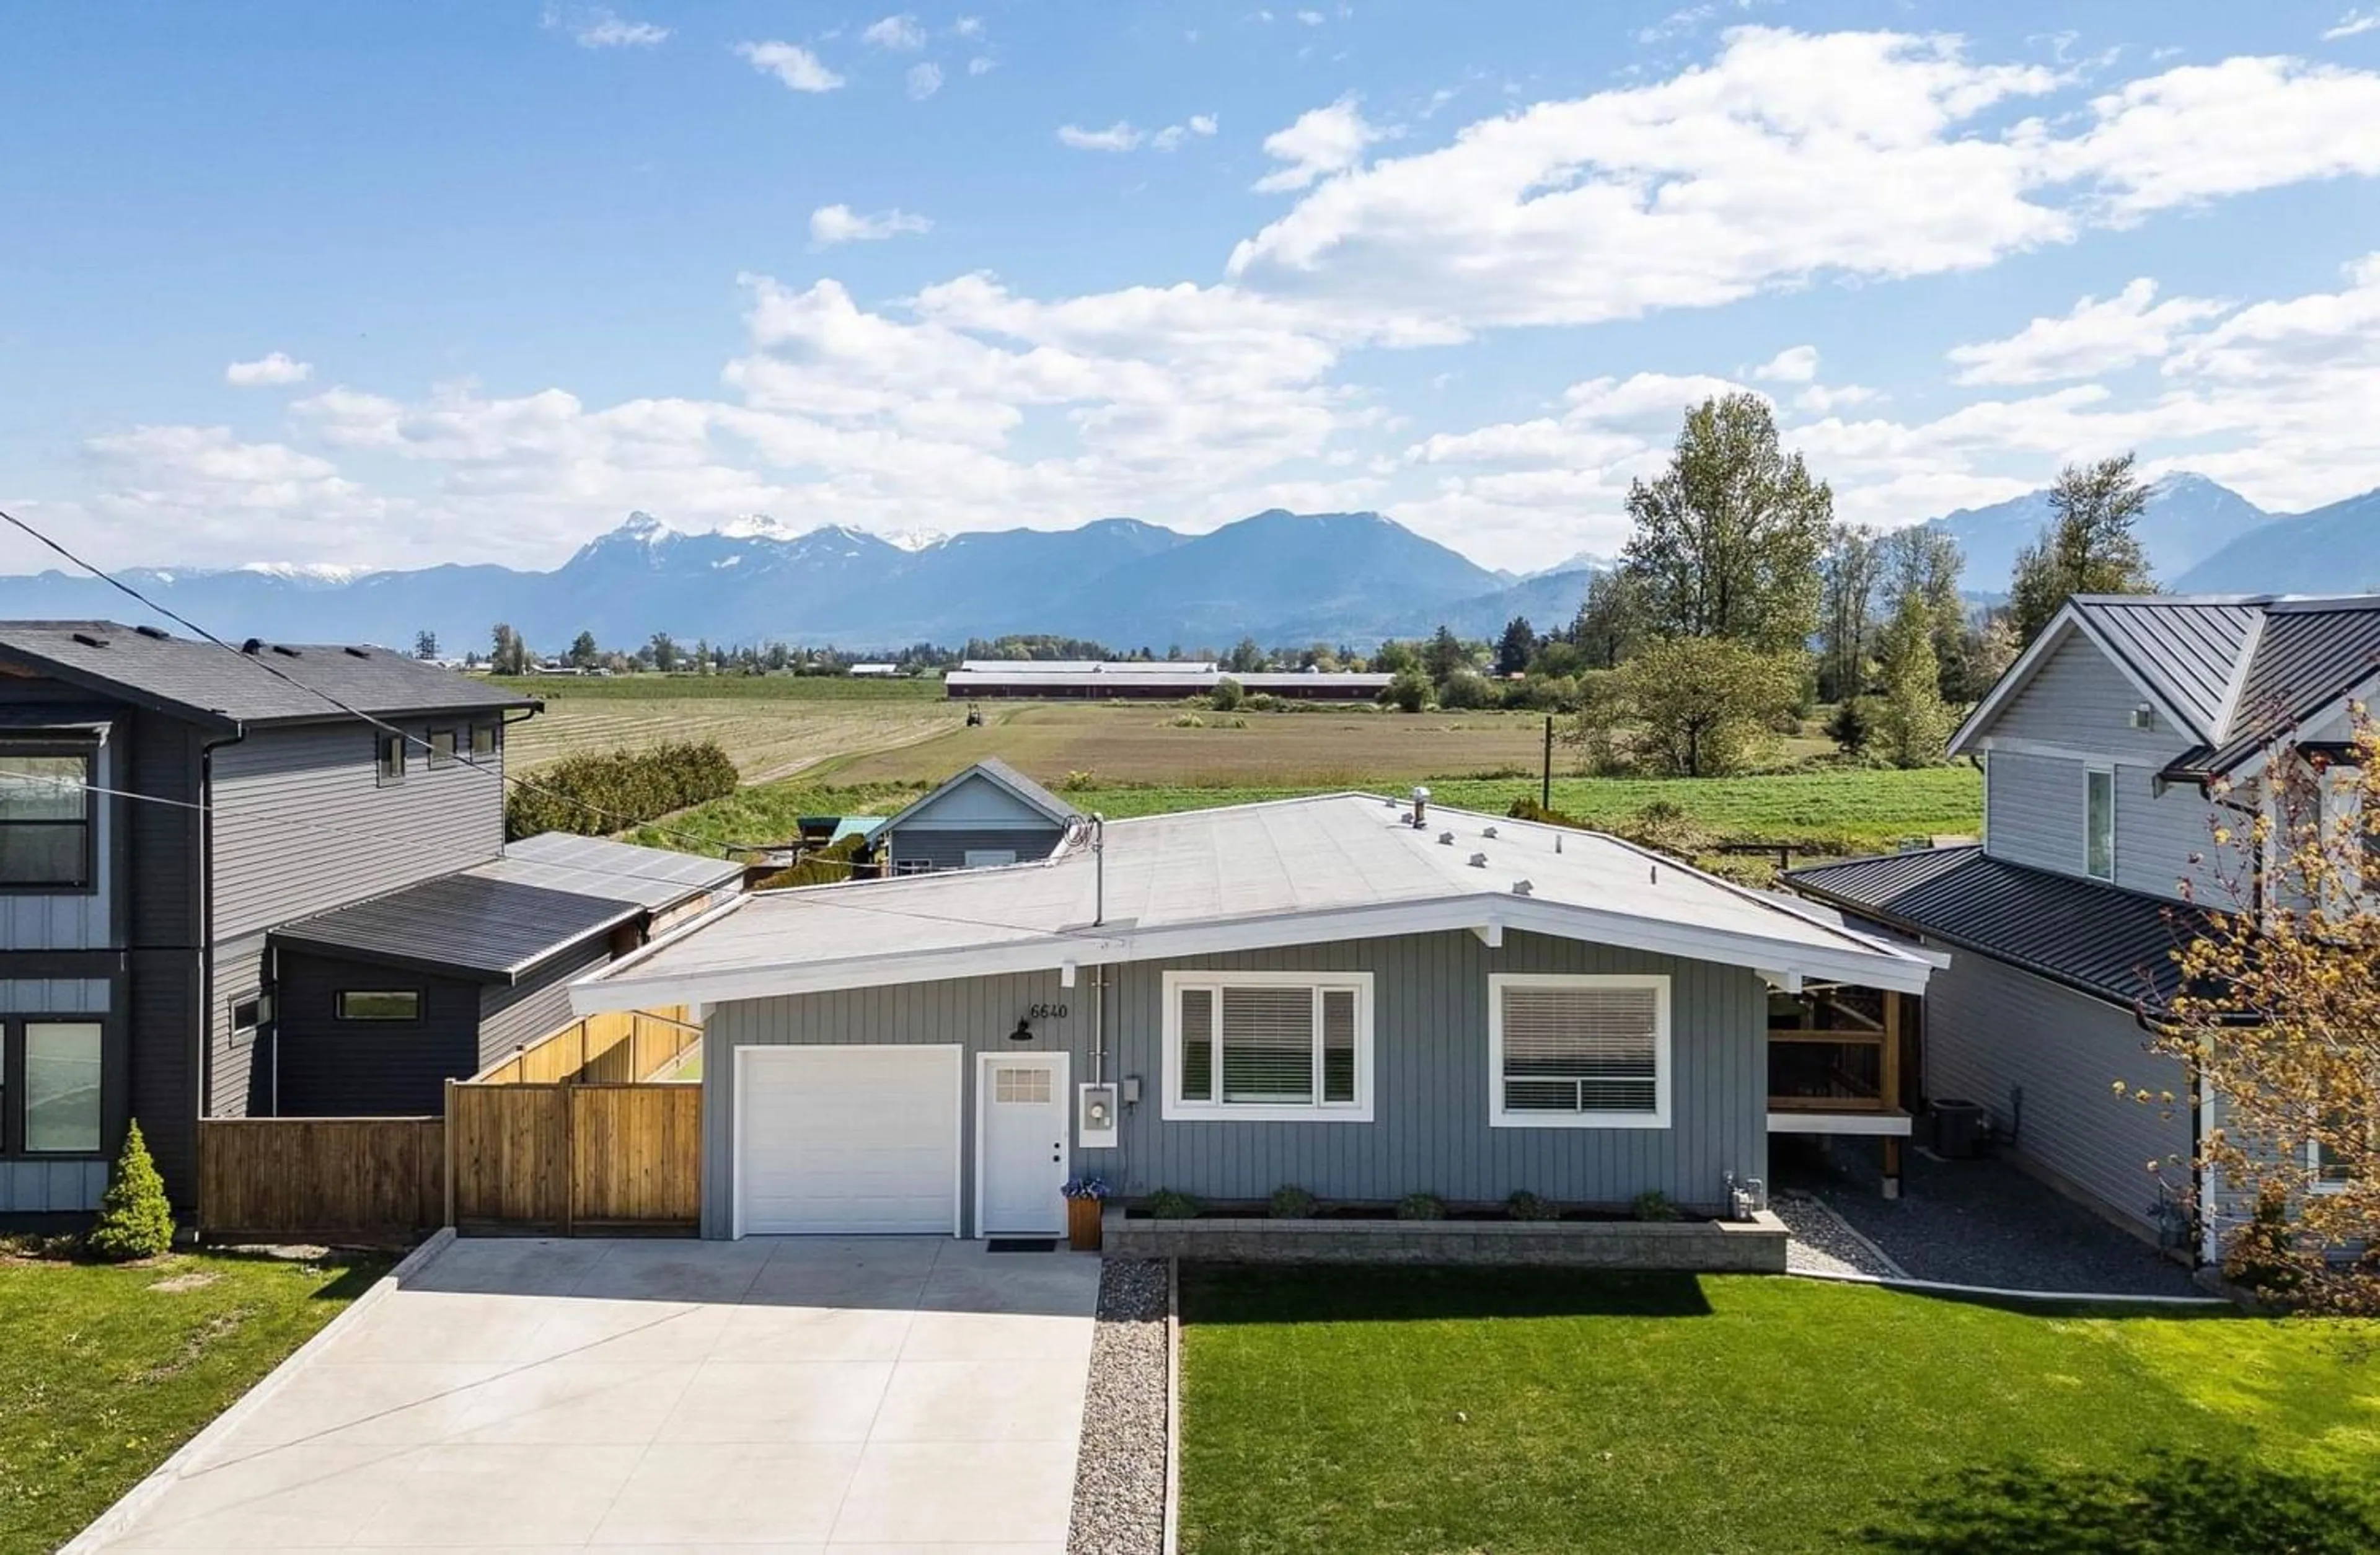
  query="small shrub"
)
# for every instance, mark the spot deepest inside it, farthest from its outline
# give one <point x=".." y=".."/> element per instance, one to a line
<point x="1468" y="690"/>
<point x="1185" y="721"/>
<point x="1262" y="701"/>
<point x="829" y="866"/>
<point x="1852" y="725"/>
<point x="1654" y="1204"/>
<point x="1291" y="1202"/>
<point x="1226" y="696"/>
<point x="1409" y="692"/>
<point x="1526" y="1206"/>
<point x="1167" y="1205"/>
<point x="1421" y="1206"/>
<point x="2260" y="1257"/>
<point x="1076" y="781"/>
<point x="134" y="1221"/>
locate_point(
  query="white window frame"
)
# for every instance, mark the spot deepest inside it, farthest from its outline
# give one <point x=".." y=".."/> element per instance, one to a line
<point x="1174" y="1108"/>
<point x="2094" y="771"/>
<point x="1664" y="1051"/>
<point x="989" y="857"/>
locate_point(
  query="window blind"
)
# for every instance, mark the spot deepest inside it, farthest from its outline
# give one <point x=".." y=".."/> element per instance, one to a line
<point x="1581" y="1050"/>
<point x="1268" y="1044"/>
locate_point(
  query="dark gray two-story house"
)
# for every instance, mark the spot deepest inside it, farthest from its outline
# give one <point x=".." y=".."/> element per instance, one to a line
<point x="2110" y="750"/>
<point x="195" y="844"/>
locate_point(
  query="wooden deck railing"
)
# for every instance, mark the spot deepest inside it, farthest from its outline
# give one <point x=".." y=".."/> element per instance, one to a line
<point x="621" y="1046"/>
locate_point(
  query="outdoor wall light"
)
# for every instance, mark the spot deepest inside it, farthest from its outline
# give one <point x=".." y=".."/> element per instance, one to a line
<point x="1023" y="1032"/>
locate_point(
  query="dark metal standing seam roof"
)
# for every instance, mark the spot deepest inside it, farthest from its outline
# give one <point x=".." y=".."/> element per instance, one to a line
<point x="464" y="924"/>
<point x="2309" y="655"/>
<point x="2188" y="648"/>
<point x="202" y="680"/>
<point x="2116" y="945"/>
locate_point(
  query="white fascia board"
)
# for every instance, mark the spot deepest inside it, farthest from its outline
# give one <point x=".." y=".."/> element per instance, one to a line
<point x="1877" y="968"/>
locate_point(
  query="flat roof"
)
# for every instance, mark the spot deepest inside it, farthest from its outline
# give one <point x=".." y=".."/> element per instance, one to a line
<point x="1291" y="871"/>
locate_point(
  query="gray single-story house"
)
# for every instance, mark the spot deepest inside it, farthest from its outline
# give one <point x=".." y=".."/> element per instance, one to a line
<point x="1358" y="996"/>
<point x="988" y="815"/>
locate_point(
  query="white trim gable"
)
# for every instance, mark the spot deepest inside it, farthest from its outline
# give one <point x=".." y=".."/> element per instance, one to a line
<point x="2063" y="627"/>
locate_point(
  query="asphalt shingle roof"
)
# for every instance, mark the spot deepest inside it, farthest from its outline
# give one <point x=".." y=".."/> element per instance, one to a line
<point x="195" y="678"/>
<point x="2113" y="944"/>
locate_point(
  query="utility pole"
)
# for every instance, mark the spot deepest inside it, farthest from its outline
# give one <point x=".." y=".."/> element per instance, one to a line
<point x="1546" y="785"/>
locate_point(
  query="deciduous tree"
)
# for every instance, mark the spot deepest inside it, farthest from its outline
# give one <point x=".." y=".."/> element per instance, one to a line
<point x="2088" y="547"/>
<point x="1848" y="575"/>
<point x="1727" y="539"/>
<point x="2276" y="1022"/>
<point x="1911" y="725"/>
<point x="1697" y="707"/>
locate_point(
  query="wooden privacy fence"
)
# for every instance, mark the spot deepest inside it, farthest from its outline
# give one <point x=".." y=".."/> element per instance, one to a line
<point x="572" y="1159"/>
<point x="618" y="1047"/>
<point x="326" y="1179"/>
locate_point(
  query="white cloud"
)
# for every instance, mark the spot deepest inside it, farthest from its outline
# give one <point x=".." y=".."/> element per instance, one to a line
<point x="899" y="32"/>
<point x="604" y="29"/>
<point x="981" y="64"/>
<point x="967" y="27"/>
<point x="2353" y="24"/>
<point x="1203" y="124"/>
<point x="1788" y="158"/>
<point x="1118" y="137"/>
<point x="1311" y="18"/>
<point x="792" y="63"/>
<point x="831" y="225"/>
<point x="271" y="370"/>
<point x="1795" y="364"/>
<point x="2198" y="132"/>
<point x="1676" y="24"/>
<point x="206" y="493"/>
<point x="1819" y="399"/>
<point x="1172" y="135"/>
<point x="2093" y="337"/>
<point x="1321" y="142"/>
<point x="923" y="80"/>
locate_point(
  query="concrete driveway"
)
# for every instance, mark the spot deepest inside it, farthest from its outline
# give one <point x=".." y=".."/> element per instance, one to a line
<point x="889" y="1394"/>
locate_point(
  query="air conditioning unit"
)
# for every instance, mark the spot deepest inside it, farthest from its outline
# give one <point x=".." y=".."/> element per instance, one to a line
<point x="2143" y="717"/>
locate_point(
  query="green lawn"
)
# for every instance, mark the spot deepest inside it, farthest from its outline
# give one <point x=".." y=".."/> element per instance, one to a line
<point x="105" y="1371"/>
<point x="1529" y="1410"/>
<point x="1825" y="811"/>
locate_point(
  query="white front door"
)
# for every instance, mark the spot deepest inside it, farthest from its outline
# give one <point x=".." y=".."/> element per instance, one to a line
<point x="1021" y="1142"/>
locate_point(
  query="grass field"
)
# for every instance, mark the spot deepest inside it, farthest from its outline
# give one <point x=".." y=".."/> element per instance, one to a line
<point x="1528" y="1412"/>
<point x="771" y="726"/>
<point x="107" y="1370"/>
<point x="1831" y="811"/>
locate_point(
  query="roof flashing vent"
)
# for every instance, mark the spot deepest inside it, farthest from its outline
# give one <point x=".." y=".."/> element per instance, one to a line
<point x="156" y="634"/>
<point x="284" y="650"/>
<point x="1445" y="839"/>
<point x="89" y="639"/>
<point x="1479" y="861"/>
<point x="253" y="645"/>
<point x="357" y="652"/>
<point x="1523" y="888"/>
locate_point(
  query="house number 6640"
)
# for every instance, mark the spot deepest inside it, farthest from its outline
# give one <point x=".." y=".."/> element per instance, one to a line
<point x="1046" y="1012"/>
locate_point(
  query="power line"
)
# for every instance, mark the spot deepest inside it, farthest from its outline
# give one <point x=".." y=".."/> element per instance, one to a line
<point x="277" y="673"/>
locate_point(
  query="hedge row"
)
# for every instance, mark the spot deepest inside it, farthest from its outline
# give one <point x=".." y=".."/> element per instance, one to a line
<point x="595" y="795"/>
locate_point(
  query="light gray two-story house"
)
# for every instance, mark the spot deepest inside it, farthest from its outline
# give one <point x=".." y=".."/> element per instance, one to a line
<point x="2110" y="750"/>
<point x="1358" y="996"/>
<point x="269" y="880"/>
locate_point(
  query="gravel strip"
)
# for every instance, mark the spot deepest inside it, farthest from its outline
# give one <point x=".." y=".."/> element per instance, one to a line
<point x="1825" y="1243"/>
<point x="1120" y="1472"/>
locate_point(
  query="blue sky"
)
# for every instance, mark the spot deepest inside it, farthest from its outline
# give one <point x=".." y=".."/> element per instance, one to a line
<point x="390" y="286"/>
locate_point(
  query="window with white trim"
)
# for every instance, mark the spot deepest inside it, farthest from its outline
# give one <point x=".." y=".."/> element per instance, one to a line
<point x="2099" y="823"/>
<point x="1281" y="1046"/>
<point x="1578" y="1051"/>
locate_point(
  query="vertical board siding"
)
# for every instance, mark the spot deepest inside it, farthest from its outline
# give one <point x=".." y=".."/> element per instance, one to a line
<point x="1430" y="1087"/>
<point x="2164" y="839"/>
<point x="75" y="919"/>
<point x="49" y="1187"/>
<point x="53" y="996"/>
<point x="2079" y="698"/>
<point x="301" y="824"/>
<point x="636" y="1154"/>
<point x="537" y="1005"/>
<point x="2035" y="810"/>
<point x="335" y="1068"/>
<point x="162" y="996"/>
<point x="162" y="764"/>
<point x="1991" y="1029"/>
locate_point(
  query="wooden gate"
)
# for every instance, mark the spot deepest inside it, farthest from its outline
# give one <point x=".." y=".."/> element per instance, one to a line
<point x="575" y="1160"/>
<point x="321" y="1179"/>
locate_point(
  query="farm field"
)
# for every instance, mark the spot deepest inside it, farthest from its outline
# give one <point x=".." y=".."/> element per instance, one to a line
<point x="1178" y="745"/>
<point x="771" y="726"/>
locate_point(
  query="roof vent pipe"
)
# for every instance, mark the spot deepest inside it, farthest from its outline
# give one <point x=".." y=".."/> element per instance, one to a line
<point x="1488" y="832"/>
<point x="1479" y="861"/>
<point x="1420" y="807"/>
<point x="1523" y="888"/>
<point x="1445" y="839"/>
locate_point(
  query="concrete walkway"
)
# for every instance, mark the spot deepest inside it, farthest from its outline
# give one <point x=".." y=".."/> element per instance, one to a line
<point x="887" y="1394"/>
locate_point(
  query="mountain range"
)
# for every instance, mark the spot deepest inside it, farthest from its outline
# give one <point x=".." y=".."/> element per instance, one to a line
<point x="1277" y="576"/>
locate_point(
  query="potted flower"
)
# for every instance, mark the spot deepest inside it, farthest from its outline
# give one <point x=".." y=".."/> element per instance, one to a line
<point x="1084" y="1197"/>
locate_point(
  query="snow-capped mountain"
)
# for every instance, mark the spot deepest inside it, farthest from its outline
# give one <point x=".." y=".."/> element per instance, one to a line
<point x="2188" y="519"/>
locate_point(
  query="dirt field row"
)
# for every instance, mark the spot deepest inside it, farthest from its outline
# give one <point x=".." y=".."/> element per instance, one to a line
<point x="767" y="739"/>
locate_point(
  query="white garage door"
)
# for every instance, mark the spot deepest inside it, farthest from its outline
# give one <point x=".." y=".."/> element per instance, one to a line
<point x="848" y="1140"/>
